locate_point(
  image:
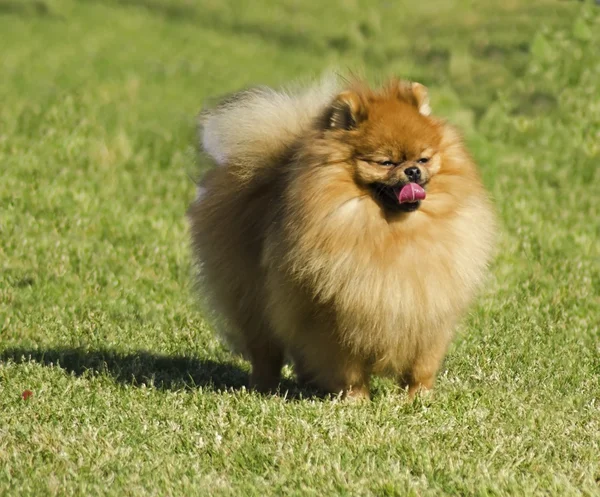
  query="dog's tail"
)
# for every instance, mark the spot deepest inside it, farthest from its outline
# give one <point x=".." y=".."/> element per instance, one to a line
<point x="251" y="128"/>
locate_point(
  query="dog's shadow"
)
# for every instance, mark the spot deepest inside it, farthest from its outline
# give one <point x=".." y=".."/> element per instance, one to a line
<point x="165" y="372"/>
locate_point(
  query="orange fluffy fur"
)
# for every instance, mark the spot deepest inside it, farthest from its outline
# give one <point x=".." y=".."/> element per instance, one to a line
<point x="299" y="257"/>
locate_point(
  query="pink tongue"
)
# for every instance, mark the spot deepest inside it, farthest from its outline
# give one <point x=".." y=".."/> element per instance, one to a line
<point x="411" y="193"/>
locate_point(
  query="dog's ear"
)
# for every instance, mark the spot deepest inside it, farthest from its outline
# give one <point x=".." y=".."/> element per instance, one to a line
<point x="347" y="111"/>
<point x="421" y="97"/>
<point x="413" y="93"/>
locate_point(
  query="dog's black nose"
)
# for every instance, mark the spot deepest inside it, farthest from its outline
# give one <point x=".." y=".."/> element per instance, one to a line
<point x="413" y="173"/>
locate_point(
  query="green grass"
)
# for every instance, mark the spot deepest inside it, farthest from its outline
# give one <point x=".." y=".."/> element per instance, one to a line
<point x="132" y="394"/>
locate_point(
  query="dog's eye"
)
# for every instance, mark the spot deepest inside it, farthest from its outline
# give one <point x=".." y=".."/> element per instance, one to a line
<point x="423" y="160"/>
<point x="386" y="163"/>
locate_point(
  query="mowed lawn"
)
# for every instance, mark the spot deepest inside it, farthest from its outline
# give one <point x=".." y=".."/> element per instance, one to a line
<point x="131" y="393"/>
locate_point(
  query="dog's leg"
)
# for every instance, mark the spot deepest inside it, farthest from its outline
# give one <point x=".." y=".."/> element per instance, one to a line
<point x="267" y="360"/>
<point x="426" y="365"/>
<point x="265" y="352"/>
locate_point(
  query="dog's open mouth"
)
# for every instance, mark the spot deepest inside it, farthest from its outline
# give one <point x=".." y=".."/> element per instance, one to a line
<point x="402" y="198"/>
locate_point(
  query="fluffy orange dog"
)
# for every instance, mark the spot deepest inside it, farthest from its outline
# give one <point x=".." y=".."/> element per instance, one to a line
<point x="347" y="230"/>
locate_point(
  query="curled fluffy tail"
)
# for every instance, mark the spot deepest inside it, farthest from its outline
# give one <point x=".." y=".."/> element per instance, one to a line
<point x="251" y="128"/>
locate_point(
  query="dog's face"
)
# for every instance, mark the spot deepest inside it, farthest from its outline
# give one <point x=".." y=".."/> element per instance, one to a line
<point x="391" y="140"/>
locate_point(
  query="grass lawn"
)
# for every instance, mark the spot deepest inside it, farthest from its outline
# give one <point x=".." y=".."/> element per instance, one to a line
<point x="132" y="394"/>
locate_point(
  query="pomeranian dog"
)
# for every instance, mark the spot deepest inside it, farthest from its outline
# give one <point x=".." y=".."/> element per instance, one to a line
<point x="344" y="228"/>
